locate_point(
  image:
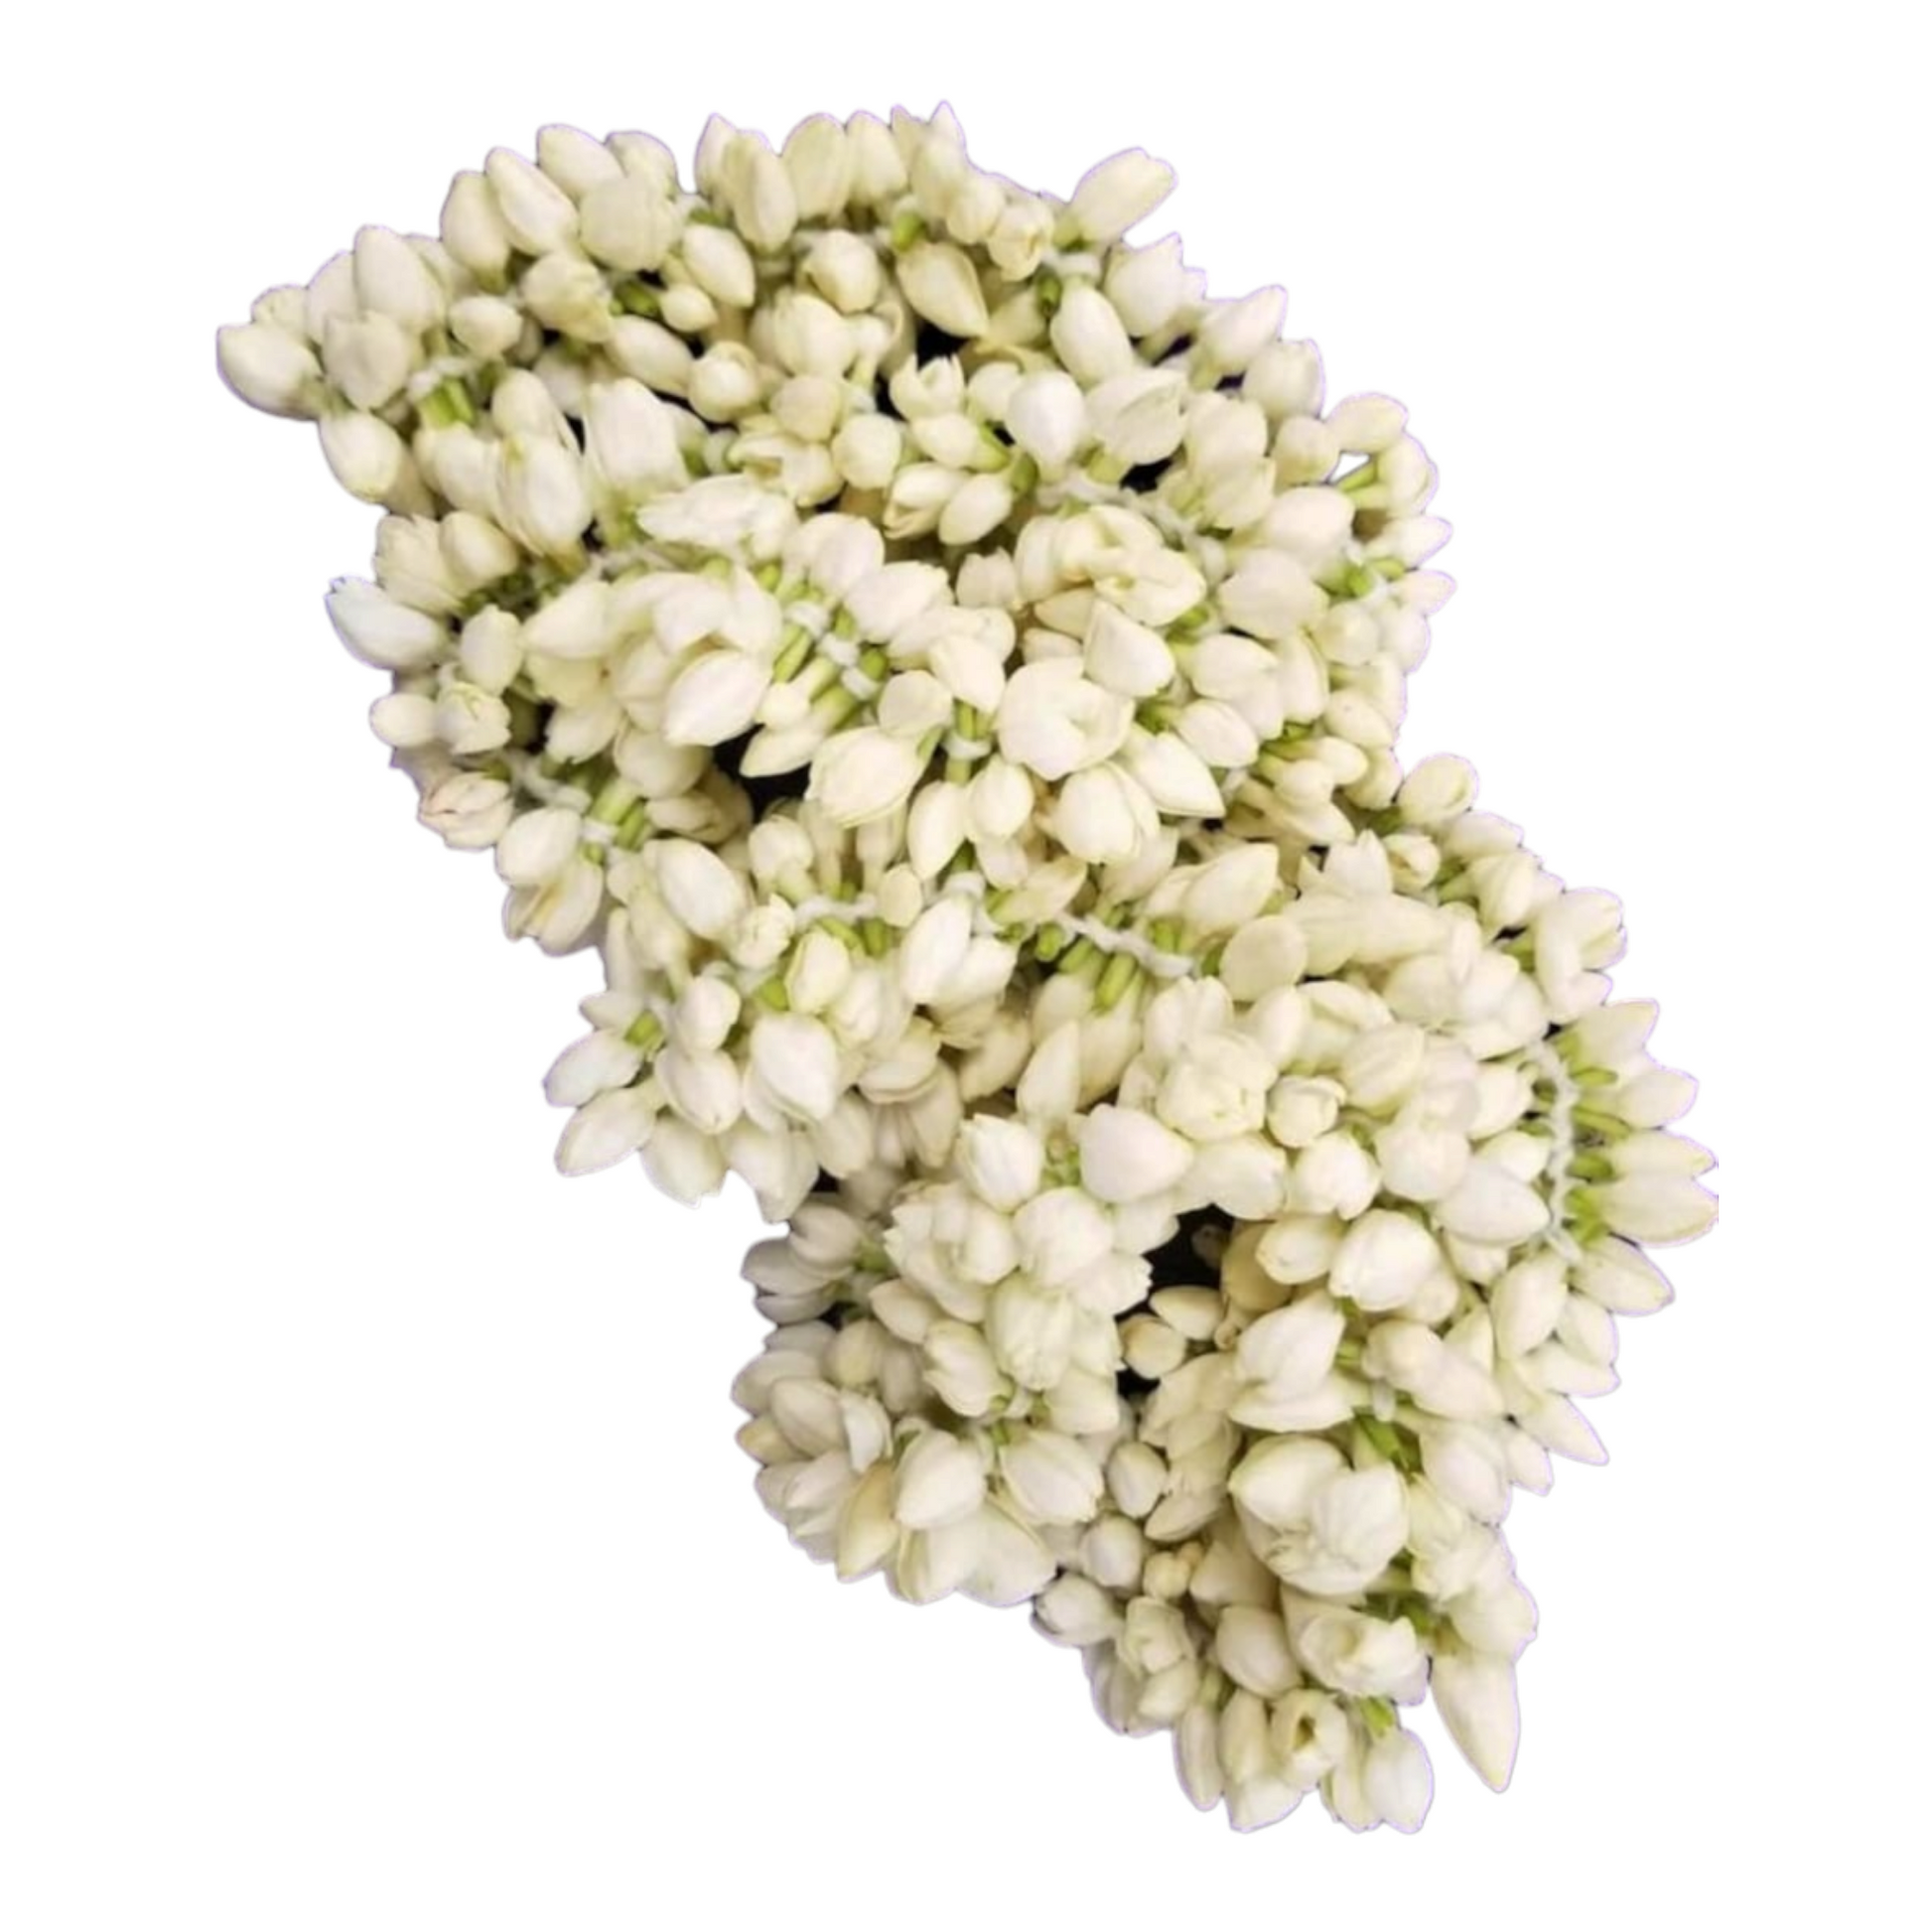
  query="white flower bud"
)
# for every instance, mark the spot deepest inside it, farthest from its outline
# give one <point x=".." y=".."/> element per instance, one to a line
<point x="368" y="358"/>
<point x="1076" y="1610"/>
<point x="976" y="510"/>
<point x="629" y="223"/>
<point x="1118" y="191"/>
<point x="1147" y="286"/>
<point x="1103" y="816"/>
<point x="1497" y="1618"/>
<point x="1437" y="790"/>
<point x="1001" y="1160"/>
<point x="704" y="895"/>
<point x="941" y="283"/>
<point x="538" y="216"/>
<point x="575" y="624"/>
<point x="1232" y="889"/>
<point x="844" y="268"/>
<point x="714" y="697"/>
<point x="404" y="718"/>
<point x="1355" y="1525"/>
<point x="960" y="1368"/>
<point x="867" y="451"/>
<point x="1442" y="1379"/>
<point x="1046" y="416"/>
<point x="1234" y="332"/>
<point x="818" y="157"/>
<point x="1361" y="1656"/>
<point x="1334" y="1176"/>
<point x="1127" y="1155"/>
<point x="1269" y="596"/>
<point x="1138" y="416"/>
<point x="1476" y="1697"/>
<point x="1660" y="1209"/>
<point x="380" y="631"/>
<point x="545" y="503"/>
<point x="1397" y="1780"/>
<point x="606" y="1130"/>
<point x="1383" y="1259"/>
<point x="1054" y="721"/>
<point x="392" y="279"/>
<point x="1089" y="338"/>
<point x="472" y="228"/>
<point x="1367" y="425"/>
<point x="1621" y="1279"/>
<point x="1525" y="1301"/>
<point x="705" y="1013"/>
<point x="630" y="440"/>
<point x="592" y="1065"/>
<point x="797" y="1062"/>
<point x="467" y="811"/>
<point x="1064" y="1230"/>
<point x="1285" y="378"/>
<point x="1124" y="656"/>
<point x="940" y="1479"/>
<point x="538" y="845"/>
<point x="701" y="1085"/>
<point x="1277" y="1481"/>
<point x="651" y="352"/>
<point x="574" y="160"/>
<point x="365" y="456"/>
<point x="1290" y="1351"/>
<point x="1051" y="1477"/>
<point x="1491" y="1205"/>
<point x="934" y="949"/>
<point x="863" y="775"/>
<point x="491" y="649"/>
<point x="1251" y="1645"/>
<point x="1032" y="1332"/>
<point x="269" y="369"/>
<point x="757" y="185"/>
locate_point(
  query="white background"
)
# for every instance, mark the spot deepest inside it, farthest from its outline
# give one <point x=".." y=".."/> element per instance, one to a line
<point x="373" y="1549"/>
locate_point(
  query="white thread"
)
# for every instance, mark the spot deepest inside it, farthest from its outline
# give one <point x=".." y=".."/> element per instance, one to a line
<point x="808" y="912"/>
<point x="432" y="375"/>
<point x="811" y="616"/>
<point x="1116" y="939"/>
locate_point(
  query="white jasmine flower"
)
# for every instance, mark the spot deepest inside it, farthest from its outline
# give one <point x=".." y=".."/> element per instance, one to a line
<point x="1090" y="339"/>
<point x="1118" y="191"/>
<point x="1476" y="1697"/>
<point x="941" y="283"/>
<point x="862" y="776"/>
<point x="381" y="631"/>
<point x="1382" y="1260"/>
<point x="1127" y="1155"/>
<point x="795" y="1062"/>
<point x="939" y="1480"/>
<point x="1051" y="1477"/>
<point x="270" y="368"/>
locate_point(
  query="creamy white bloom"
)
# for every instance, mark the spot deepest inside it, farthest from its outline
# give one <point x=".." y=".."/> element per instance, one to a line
<point x="795" y="1061"/>
<point x="1052" y="1477"/>
<point x="1127" y="1155"/>
<point x="940" y="1479"/>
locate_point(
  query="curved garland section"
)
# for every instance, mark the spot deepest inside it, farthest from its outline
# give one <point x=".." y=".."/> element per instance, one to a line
<point x="950" y="664"/>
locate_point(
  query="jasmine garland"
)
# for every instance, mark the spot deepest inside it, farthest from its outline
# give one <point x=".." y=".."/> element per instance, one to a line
<point x="949" y="666"/>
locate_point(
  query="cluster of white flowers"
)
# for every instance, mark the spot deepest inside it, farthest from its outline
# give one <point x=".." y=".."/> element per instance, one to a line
<point x="950" y="665"/>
